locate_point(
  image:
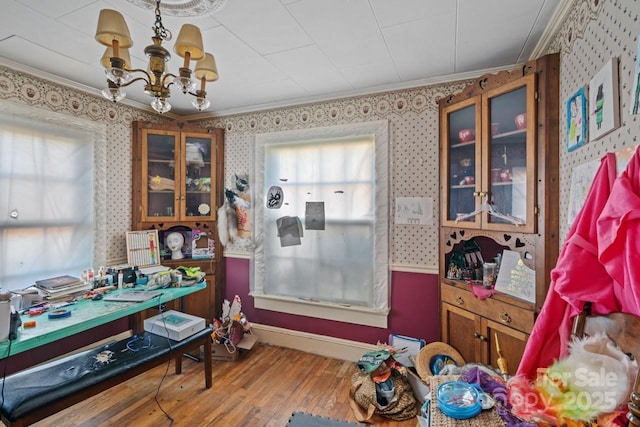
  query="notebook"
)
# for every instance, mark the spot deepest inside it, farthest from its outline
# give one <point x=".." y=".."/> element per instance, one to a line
<point x="132" y="296"/>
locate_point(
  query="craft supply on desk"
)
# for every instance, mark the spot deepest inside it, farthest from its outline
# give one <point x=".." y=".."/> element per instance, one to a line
<point x="37" y="311"/>
<point x="59" y="314"/>
<point x="29" y="324"/>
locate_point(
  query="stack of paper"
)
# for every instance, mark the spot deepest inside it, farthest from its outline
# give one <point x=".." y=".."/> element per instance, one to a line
<point x="62" y="287"/>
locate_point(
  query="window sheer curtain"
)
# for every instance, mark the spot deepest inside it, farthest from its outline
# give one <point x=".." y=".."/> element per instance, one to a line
<point x="52" y="170"/>
<point x="346" y="168"/>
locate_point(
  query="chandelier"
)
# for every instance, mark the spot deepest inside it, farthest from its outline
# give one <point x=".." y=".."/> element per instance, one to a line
<point x="113" y="32"/>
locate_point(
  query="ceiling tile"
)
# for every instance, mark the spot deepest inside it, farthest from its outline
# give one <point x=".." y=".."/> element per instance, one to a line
<point x="267" y="28"/>
<point x="310" y="68"/>
<point x="340" y="28"/>
<point x="390" y="13"/>
<point x="55" y="9"/>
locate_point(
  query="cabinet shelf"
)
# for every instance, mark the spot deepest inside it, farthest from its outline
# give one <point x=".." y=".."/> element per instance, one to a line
<point x="468" y="144"/>
<point x="511" y="137"/>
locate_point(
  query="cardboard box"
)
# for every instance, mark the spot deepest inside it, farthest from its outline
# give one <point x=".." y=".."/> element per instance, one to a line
<point x="202" y="246"/>
<point x="420" y="388"/>
<point x="220" y="351"/>
<point x="174" y="325"/>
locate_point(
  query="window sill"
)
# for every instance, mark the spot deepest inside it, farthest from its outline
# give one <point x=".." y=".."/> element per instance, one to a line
<point x="322" y="310"/>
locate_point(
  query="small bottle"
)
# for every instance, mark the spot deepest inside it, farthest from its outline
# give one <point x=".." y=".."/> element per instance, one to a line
<point x="120" y="279"/>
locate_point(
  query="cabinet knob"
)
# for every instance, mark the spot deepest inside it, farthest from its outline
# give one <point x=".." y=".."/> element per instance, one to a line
<point x="459" y="301"/>
<point x="479" y="336"/>
<point x="504" y="317"/>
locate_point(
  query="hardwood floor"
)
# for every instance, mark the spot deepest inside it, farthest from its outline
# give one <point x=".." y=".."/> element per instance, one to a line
<point x="263" y="388"/>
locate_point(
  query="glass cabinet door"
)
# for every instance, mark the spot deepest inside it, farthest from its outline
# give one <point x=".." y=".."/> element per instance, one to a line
<point x="199" y="159"/>
<point x="160" y="149"/>
<point x="460" y="132"/>
<point x="488" y="159"/>
<point x="509" y="156"/>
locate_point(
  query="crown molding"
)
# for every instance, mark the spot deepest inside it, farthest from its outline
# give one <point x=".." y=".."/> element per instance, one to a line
<point x="432" y="81"/>
<point x="558" y="18"/>
<point x="470" y="75"/>
<point x="16" y="66"/>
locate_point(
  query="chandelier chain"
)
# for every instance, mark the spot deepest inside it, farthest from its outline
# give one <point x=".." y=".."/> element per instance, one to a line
<point x="158" y="28"/>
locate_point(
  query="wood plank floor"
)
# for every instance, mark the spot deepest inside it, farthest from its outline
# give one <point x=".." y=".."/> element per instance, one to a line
<point x="263" y="388"/>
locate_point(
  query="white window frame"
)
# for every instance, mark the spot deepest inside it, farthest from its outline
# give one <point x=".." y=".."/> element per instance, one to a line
<point x="375" y="316"/>
<point x="97" y="132"/>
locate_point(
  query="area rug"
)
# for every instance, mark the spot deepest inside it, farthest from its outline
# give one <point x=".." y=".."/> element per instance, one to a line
<point x="301" y="419"/>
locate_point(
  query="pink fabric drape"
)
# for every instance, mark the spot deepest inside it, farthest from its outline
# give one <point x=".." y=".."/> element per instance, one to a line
<point x="577" y="278"/>
<point x="619" y="237"/>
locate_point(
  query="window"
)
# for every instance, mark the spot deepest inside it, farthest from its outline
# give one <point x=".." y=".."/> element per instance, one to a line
<point x="48" y="180"/>
<point x="340" y="261"/>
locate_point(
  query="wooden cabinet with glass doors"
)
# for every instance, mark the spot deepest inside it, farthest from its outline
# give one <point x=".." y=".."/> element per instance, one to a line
<point x="499" y="160"/>
<point x="178" y="184"/>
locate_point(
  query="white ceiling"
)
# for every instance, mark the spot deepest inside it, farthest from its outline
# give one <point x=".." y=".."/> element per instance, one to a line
<point x="281" y="52"/>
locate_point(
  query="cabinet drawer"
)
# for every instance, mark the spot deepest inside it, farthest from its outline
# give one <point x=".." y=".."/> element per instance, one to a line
<point x="507" y="314"/>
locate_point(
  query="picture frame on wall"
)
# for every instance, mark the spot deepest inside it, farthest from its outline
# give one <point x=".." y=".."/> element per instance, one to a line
<point x="604" y="101"/>
<point x="577" y="120"/>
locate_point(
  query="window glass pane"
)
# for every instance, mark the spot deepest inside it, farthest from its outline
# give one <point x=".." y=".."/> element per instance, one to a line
<point x="47" y="187"/>
<point x="334" y="264"/>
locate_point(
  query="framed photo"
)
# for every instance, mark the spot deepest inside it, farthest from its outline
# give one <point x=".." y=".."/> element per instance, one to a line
<point x="577" y="120"/>
<point x="604" y="101"/>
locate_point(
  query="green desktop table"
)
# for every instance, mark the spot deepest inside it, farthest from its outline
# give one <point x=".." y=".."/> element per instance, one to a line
<point x="87" y="314"/>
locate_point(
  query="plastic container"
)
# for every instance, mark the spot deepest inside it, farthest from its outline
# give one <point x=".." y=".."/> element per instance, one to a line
<point x="489" y="272"/>
<point x="459" y="400"/>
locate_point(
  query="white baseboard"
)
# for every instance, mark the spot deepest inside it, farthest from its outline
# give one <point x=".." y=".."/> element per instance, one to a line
<point x="336" y="348"/>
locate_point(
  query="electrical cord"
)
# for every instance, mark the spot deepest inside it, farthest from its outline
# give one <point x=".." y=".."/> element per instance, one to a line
<point x="166" y="371"/>
<point x="135" y="339"/>
<point x="4" y="370"/>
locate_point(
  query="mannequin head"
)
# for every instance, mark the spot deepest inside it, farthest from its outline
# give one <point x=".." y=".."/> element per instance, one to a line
<point x="175" y="241"/>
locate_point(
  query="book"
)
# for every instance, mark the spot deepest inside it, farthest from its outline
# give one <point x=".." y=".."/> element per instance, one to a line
<point x="67" y="289"/>
<point x="58" y="282"/>
<point x="67" y="296"/>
